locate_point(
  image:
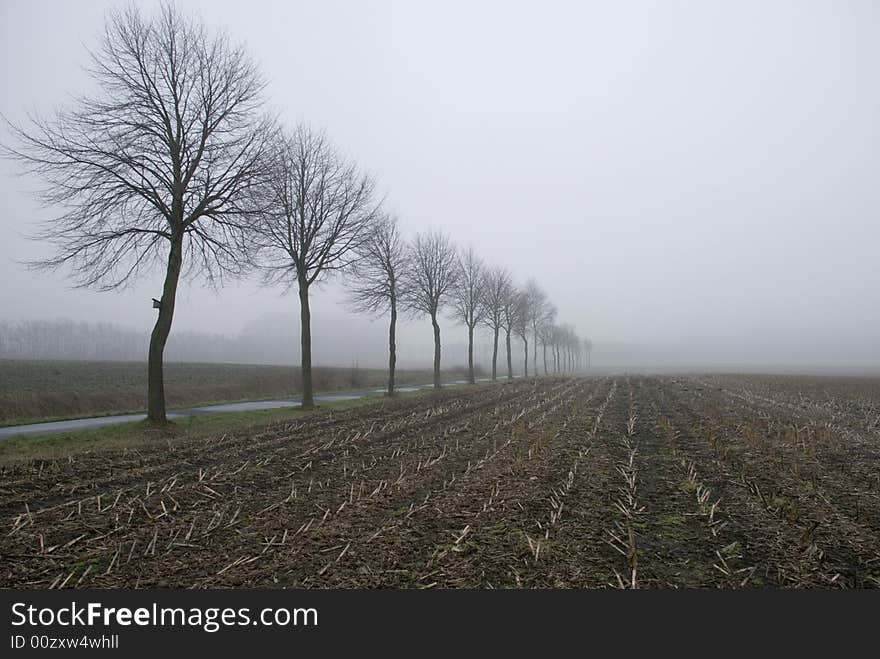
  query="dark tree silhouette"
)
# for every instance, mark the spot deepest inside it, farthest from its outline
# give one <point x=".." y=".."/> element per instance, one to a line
<point x="432" y="277"/>
<point x="153" y="166"/>
<point x="466" y="299"/>
<point x="377" y="280"/>
<point x="496" y="289"/>
<point x="317" y="209"/>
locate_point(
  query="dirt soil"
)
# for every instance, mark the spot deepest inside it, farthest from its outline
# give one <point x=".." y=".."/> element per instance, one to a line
<point x="646" y="482"/>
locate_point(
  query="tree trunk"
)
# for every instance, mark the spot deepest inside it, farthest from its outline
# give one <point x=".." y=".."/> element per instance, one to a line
<point x="392" y="346"/>
<point x="535" y="351"/>
<point x="495" y="357"/>
<point x="159" y="336"/>
<point x="526" y="361"/>
<point x="471" y="377"/>
<point x="436" y="351"/>
<point x="544" y="346"/>
<point x="509" y="356"/>
<point x="305" y="316"/>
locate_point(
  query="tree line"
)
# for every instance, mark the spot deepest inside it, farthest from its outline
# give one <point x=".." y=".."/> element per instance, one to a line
<point x="174" y="161"/>
<point x="64" y="339"/>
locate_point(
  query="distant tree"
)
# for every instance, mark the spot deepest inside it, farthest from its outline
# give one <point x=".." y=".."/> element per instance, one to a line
<point x="546" y="330"/>
<point x="466" y="299"/>
<point x="376" y="280"/>
<point x="510" y="314"/>
<point x="152" y="167"/>
<point x="496" y="290"/>
<point x="433" y="274"/>
<point x="535" y="299"/>
<point x="567" y="342"/>
<point x="588" y="349"/>
<point x="520" y="321"/>
<point x="555" y="344"/>
<point x="316" y="210"/>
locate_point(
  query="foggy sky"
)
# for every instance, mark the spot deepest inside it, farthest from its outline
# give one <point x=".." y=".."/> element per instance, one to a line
<point x="692" y="183"/>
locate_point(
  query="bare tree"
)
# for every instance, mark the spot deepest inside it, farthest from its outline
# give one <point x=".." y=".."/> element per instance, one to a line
<point x="546" y="329"/>
<point x="567" y="340"/>
<point x="555" y="343"/>
<point x="520" y="321"/>
<point x="466" y="299"/>
<point x="152" y="168"/>
<point x="536" y="306"/>
<point x="433" y="275"/>
<point x="510" y="310"/>
<point x="317" y="209"/>
<point x="376" y="281"/>
<point x="496" y="289"/>
<point x="588" y="349"/>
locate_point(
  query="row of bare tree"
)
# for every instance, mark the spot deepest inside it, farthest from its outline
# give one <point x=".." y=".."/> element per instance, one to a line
<point x="174" y="161"/>
<point x="430" y="276"/>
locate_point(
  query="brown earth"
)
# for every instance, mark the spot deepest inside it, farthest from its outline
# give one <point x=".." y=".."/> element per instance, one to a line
<point x="649" y="482"/>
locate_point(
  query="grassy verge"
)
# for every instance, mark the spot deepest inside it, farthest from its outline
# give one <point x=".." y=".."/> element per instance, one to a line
<point x="33" y="391"/>
<point x="142" y="433"/>
<point x="209" y="403"/>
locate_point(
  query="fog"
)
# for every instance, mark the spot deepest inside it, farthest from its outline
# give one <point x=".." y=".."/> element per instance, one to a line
<point x="694" y="184"/>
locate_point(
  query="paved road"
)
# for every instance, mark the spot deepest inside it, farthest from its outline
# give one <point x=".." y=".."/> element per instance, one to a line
<point x="52" y="427"/>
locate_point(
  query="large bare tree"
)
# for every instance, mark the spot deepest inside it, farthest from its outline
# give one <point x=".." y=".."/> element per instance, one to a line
<point x="466" y="299"/>
<point x="377" y="280"/>
<point x="151" y="168"/>
<point x="433" y="274"/>
<point x="317" y="209"/>
<point x="497" y="285"/>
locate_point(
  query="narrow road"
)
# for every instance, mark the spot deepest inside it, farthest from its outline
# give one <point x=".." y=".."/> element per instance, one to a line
<point x="72" y="425"/>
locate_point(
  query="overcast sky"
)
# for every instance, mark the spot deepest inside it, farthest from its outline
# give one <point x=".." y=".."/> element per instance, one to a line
<point x="704" y="175"/>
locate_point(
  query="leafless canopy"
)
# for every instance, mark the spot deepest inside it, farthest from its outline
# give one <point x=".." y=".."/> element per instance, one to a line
<point x="537" y="305"/>
<point x="467" y="294"/>
<point x="466" y="299"/>
<point x="317" y="208"/>
<point x="433" y="272"/>
<point x="378" y="278"/>
<point x="164" y="150"/>
<point x="547" y="328"/>
<point x="376" y="274"/>
<point x="497" y="287"/>
<point x="497" y="284"/>
<point x="520" y="314"/>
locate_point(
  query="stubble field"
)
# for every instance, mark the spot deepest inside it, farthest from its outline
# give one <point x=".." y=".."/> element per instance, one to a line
<point x="647" y="482"/>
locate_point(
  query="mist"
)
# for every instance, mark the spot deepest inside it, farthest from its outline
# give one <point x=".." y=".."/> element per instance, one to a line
<point x="694" y="185"/>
